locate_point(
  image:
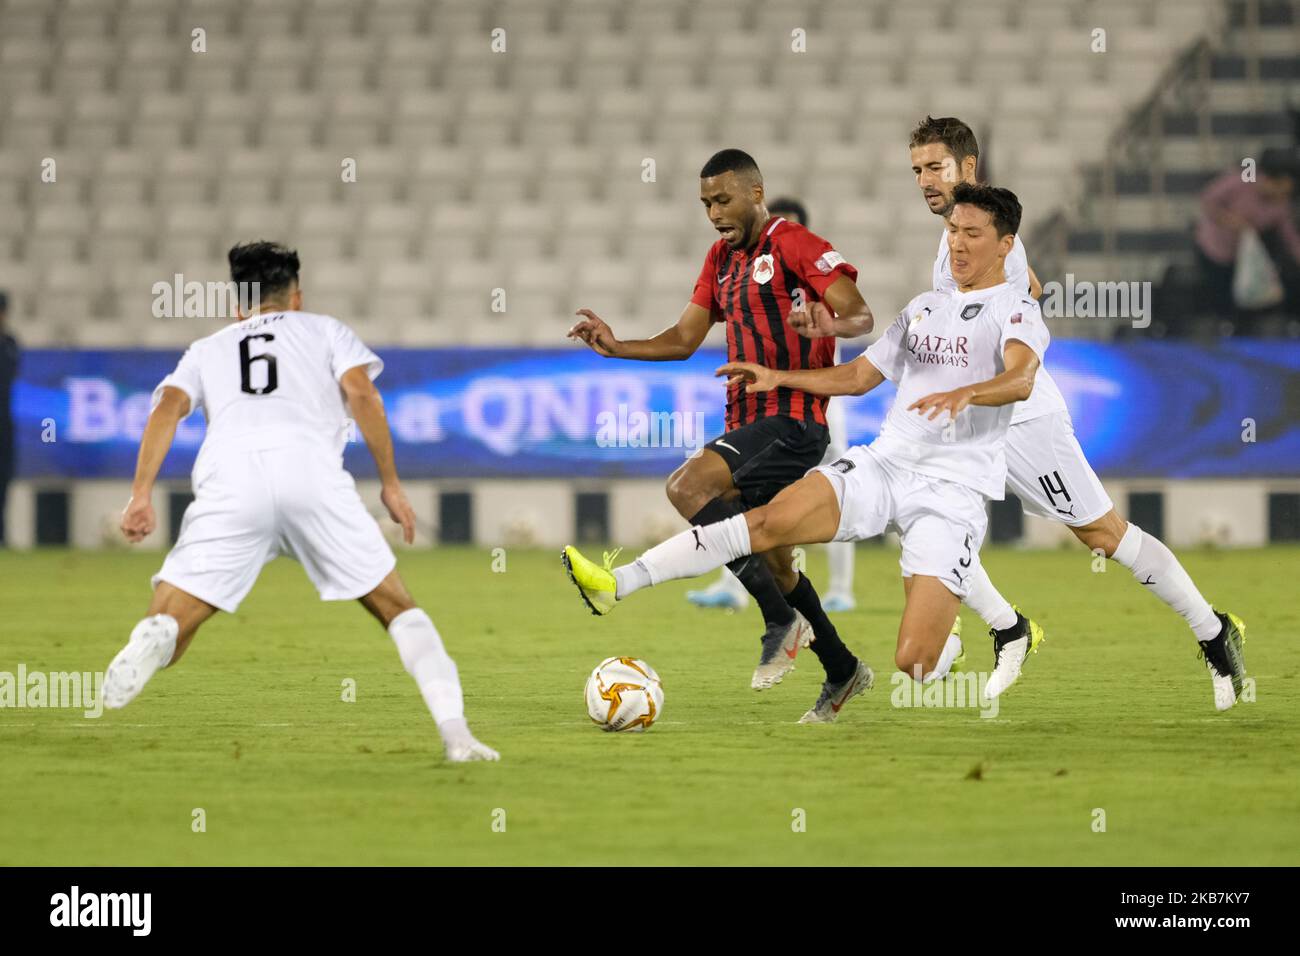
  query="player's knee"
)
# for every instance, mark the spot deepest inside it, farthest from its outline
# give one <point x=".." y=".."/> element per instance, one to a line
<point x="692" y="486"/>
<point x="1098" y="539"/>
<point x="683" y="493"/>
<point x="914" y="658"/>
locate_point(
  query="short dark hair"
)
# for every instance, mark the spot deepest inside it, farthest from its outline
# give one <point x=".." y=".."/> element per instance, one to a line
<point x="272" y="265"/>
<point x="952" y="132"/>
<point x="4" y="301"/>
<point x="784" y="205"/>
<point x="731" y="161"/>
<point x="999" y="203"/>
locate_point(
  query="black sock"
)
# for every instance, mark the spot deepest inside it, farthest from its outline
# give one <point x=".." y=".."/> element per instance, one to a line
<point x="837" y="660"/>
<point x="752" y="570"/>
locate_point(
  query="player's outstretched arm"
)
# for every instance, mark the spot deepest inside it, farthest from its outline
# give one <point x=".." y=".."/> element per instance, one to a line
<point x="842" y="313"/>
<point x="367" y="407"/>
<point x="1013" y="385"/>
<point x="852" y="378"/>
<point x="138" y="520"/>
<point x="674" y="344"/>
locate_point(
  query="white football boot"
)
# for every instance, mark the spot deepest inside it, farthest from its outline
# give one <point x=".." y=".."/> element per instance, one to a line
<point x="152" y="644"/>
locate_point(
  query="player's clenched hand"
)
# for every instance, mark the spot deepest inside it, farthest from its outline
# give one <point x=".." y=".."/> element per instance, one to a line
<point x="138" y="519"/>
<point x="813" y="321"/>
<point x="756" y="378"/>
<point x="951" y="402"/>
<point x="400" y="510"/>
<point x="592" y="330"/>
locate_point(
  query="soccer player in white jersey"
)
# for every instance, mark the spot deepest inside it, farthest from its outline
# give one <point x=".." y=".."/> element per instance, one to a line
<point x="1047" y="469"/>
<point x="275" y="388"/>
<point x="960" y="358"/>
<point x="727" y="591"/>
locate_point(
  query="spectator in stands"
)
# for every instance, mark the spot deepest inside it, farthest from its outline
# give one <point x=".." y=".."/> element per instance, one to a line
<point x="1228" y="207"/>
<point x="8" y="372"/>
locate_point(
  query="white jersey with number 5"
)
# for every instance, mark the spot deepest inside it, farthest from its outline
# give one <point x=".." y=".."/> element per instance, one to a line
<point x="271" y="381"/>
<point x="942" y="341"/>
<point x="1046" y="398"/>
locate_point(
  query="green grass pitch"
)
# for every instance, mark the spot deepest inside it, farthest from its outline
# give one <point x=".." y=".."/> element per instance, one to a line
<point x="1113" y="715"/>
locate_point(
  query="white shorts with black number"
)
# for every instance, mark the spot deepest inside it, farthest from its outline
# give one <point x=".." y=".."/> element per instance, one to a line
<point x="941" y="524"/>
<point x="1047" y="471"/>
<point x="252" y="506"/>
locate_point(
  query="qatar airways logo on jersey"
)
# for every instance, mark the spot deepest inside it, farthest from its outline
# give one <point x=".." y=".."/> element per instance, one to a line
<point x="939" y="349"/>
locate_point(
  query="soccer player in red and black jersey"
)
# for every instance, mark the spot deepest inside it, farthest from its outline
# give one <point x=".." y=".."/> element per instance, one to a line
<point x="783" y="293"/>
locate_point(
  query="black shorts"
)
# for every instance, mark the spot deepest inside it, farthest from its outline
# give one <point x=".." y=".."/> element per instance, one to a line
<point x="766" y="455"/>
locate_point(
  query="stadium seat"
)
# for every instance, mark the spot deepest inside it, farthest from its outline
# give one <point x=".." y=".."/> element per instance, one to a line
<point x="466" y="156"/>
<point x="250" y="175"/>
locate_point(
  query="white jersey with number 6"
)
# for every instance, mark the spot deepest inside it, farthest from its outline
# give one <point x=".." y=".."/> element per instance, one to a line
<point x="1046" y="398"/>
<point x="272" y="380"/>
<point x="269" y="477"/>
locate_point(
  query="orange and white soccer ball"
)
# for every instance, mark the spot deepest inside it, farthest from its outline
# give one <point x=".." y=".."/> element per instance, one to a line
<point x="624" y="693"/>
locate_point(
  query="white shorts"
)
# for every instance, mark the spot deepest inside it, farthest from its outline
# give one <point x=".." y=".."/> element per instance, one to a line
<point x="1047" y="471"/>
<point x="252" y="506"/>
<point x="941" y="523"/>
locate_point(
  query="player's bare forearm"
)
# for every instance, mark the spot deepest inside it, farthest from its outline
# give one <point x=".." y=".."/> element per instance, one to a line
<point x="852" y="378"/>
<point x="854" y="325"/>
<point x="159" y="433"/>
<point x="367" y="407"/>
<point x="372" y="422"/>
<point x="667" y="346"/>
<point x="852" y="314"/>
<point x="674" y="344"/>
<point x="1014" y="384"/>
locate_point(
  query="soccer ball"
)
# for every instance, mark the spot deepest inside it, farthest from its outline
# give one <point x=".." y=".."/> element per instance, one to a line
<point x="624" y="693"/>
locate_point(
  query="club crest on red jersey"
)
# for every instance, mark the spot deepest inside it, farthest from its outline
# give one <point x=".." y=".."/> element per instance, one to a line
<point x="764" y="269"/>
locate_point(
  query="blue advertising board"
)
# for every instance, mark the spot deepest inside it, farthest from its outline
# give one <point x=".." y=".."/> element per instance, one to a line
<point x="1141" y="409"/>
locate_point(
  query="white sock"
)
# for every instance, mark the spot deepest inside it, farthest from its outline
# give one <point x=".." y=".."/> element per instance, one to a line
<point x="985" y="601"/>
<point x="695" y="551"/>
<point x="841" y="554"/>
<point x="949" y="654"/>
<point x="434" y="671"/>
<point x="1155" y="567"/>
